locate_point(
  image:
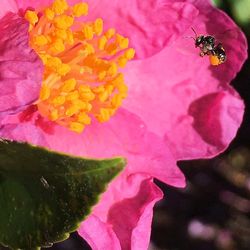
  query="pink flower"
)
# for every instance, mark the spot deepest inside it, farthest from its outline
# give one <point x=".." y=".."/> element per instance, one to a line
<point x="178" y="106"/>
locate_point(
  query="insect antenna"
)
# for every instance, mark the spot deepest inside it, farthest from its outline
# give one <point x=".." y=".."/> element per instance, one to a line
<point x="194" y="38"/>
<point x="194" y="32"/>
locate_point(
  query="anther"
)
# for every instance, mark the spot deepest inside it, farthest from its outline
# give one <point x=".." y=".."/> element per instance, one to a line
<point x="82" y="79"/>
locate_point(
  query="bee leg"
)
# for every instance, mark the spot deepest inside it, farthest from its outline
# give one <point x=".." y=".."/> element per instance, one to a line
<point x="202" y="54"/>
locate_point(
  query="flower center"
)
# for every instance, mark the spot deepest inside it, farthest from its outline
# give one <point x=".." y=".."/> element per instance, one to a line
<point x="81" y="78"/>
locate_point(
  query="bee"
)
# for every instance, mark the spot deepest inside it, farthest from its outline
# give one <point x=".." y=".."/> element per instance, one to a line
<point x="208" y="46"/>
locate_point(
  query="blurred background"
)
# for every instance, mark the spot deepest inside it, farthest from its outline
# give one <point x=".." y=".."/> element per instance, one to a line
<point x="213" y="212"/>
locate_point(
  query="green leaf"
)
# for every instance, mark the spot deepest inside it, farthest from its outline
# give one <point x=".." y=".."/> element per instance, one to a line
<point x="44" y="195"/>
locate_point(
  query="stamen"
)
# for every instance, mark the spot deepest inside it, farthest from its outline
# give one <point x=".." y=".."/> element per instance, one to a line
<point x="82" y="78"/>
<point x="80" y="9"/>
<point x="31" y="16"/>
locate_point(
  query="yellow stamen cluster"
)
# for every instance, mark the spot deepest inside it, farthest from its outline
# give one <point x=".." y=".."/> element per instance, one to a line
<point x="81" y="78"/>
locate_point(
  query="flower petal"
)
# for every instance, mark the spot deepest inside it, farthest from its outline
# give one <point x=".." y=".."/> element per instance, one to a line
<point x="211" y="124"/>
<point x="7" y="6"/>
<point x="130" y="218"/>
<point x="163" y="88"/>
<point x="20" y="67"/>
<point x="98" y="234"/>
<point x="24" y="132"/>
<point x="36" y="4"/>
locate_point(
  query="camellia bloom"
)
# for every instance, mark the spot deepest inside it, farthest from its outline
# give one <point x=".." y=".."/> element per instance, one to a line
<point x="107" y="78"/>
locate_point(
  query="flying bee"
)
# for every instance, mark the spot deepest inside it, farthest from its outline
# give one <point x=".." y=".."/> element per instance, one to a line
<point x="207" y="46"/>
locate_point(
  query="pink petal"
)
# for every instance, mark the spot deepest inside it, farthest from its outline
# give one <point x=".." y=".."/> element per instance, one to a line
<point x="98" y="234"/>
<point x="211" y="123"/>
<point x="7" y="6"/>
<point x="130" y="218"/>
<point x="150" y="25"/>
<point x="20" y="67"/>
<point x="163" y="88"/>
<point x="36" y="4"/>
<point x="24" y="132"/>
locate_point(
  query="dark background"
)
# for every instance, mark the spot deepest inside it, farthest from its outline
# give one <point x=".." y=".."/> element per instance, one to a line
<point x="213" y="212"/>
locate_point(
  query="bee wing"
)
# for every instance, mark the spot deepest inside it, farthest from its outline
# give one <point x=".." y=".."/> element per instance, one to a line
<point x="186" y="46"/>
<point x="228" y="34"/>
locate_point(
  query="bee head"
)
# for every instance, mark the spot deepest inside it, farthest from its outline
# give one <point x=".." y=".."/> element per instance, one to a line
<point x="199" y="40"/>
